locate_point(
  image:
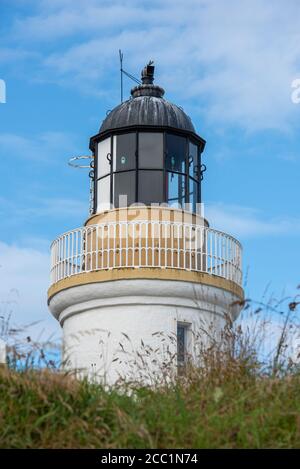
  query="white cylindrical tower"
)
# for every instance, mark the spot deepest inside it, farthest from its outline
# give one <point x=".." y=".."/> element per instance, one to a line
<point x="135" y="288"/>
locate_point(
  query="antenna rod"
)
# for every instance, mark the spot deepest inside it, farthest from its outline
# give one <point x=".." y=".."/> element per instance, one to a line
<point x="121" y="72"/>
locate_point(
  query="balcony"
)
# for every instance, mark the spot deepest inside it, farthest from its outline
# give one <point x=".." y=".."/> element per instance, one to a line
<point x="146" y="244"/>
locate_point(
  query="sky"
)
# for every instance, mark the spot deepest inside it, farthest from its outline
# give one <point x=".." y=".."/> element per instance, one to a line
<point x="230" y="64"/>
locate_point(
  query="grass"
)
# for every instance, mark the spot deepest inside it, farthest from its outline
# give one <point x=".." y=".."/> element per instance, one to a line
<point x="230" y="406"/>
<point x="234" y="399"/>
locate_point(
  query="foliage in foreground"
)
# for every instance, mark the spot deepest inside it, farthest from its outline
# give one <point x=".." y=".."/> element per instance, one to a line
<point x="240" y="397"/>
<point x="228" y="407"/>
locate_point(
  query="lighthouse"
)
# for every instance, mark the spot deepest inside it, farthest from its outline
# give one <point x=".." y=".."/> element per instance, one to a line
<point x="136" y="287"/>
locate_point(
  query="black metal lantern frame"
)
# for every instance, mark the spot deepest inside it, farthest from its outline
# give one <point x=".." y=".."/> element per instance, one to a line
<point x="188" y="176"/>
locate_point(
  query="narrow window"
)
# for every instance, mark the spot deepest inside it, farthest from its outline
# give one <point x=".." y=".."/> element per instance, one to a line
<point x="193" y="161"/>
<point x="176" y="153"/>
<point x="124" y="152"/>
<point x="124" y="189"/>
<point x="176" y="189"/>
<point x="150" y="187"/>
<point x="182" y="330"/>
<point x="193" y="194"/>
<point x="103" y="194"/>
<point x="150" y="150"/>
<point x="104" y="158"/>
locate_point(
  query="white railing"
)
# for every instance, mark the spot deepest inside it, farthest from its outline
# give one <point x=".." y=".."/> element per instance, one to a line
<point x="146" y="244"/>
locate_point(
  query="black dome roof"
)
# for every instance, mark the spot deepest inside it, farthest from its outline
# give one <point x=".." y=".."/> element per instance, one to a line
<point x="147" y="107"/>
<point x="147" y="110"/>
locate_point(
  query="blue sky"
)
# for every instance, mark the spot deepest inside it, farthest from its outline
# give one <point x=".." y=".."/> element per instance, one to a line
<point x="230" y="65"/>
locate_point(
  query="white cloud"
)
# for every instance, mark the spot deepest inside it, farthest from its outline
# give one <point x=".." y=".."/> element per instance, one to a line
<point x="56" y="207"/>
<point x="70" y="20"/>
<point x="24" y="280"/>
<point x="248" y="222"/>
<point x="41" y="148"/>
<point x="35" y="202"/>
<point x="41" y="209"/>
<point x="9" y="54"/>
<point x="240" y="57"/>
<point x="264" y="331"/>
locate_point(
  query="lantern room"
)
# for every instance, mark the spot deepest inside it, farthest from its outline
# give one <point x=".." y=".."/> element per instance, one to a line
<point x="147" y="152"/>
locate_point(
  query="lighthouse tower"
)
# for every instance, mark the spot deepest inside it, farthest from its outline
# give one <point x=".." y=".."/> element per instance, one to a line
<point x="135" y="288"/>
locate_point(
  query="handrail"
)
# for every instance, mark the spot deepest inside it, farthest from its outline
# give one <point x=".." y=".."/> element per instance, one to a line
<point x="146" y="244"/>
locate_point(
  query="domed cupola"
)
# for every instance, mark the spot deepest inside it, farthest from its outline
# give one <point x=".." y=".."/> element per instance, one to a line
<point x="147" y="107"/>
<point x="147" y="151"/>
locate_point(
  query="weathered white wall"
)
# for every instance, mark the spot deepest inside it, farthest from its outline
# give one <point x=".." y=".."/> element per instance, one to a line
<point x="127" y="328"/>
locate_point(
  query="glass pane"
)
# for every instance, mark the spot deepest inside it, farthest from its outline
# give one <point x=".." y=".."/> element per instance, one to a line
<point x="124" y="189"/>
<point x="176" y="153"/>
<point x="151" y="187"/>
<point x="193" y="194"/>
<point x="124" y="152"/>
<point x="103" y="157"/>
<point x="103" y="194"/>
<point x="175" y="189"/>
<point x="193" y="161"/>
<point x="150" y="150"/>
<point x="181" y="343"/>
